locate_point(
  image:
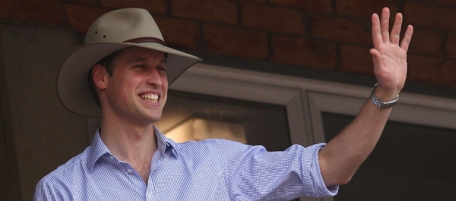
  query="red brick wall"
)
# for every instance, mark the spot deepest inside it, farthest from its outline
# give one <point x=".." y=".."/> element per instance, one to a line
<point x="321" y="34"/>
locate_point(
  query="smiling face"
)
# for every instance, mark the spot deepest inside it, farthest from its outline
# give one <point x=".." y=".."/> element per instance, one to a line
<point x="136" y="91"/>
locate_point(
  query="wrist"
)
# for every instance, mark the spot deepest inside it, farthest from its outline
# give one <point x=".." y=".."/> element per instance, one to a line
<point x="380" y="100"/>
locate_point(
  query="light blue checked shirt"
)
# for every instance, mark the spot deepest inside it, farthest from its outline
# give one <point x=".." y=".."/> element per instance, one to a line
<point x="212" y="170"/>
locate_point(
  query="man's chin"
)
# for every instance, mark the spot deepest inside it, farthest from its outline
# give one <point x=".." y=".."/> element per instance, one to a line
<point x="155" y="118"/>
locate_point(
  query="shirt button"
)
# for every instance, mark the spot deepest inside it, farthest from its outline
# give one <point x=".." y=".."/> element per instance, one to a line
<point x="129" y="171"/>
<point x="112" y="158"/>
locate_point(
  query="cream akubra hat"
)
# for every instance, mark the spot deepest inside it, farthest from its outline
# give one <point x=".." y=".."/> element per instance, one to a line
<point x="113" y="31"/>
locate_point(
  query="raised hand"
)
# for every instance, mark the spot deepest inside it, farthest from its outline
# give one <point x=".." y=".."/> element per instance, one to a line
<point x="389" y="54"/>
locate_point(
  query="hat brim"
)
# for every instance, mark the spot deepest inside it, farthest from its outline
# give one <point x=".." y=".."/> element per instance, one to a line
<point x="72" y="84"/>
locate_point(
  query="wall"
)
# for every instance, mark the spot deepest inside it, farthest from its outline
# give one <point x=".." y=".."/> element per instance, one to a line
<point x="324" y="39"/>
<point x="40" y="133"/>
<point x="325" y="34"/>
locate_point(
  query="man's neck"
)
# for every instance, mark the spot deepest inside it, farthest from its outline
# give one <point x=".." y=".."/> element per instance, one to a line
<point x="134" y="145"/>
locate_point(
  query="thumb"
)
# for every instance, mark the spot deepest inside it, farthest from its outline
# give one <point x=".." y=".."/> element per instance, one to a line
<point x="376" y="58"/>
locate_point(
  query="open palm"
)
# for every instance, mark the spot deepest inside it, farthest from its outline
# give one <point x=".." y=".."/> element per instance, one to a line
<point x="389" y="54"/>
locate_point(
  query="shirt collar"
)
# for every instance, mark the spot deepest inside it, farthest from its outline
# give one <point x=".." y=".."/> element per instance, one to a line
<point x="96" y="150"/>
<point x="164" y="143"/>
<point x="99" y="148"/>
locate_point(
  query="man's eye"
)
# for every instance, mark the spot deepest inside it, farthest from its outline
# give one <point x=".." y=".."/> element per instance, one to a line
<point x="162" y="69"/>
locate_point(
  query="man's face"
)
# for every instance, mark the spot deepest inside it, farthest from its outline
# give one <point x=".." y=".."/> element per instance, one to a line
<point x="137" y="90"/>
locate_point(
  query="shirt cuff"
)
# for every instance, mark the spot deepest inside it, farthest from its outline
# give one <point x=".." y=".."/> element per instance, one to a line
<point x="319" y="187"/>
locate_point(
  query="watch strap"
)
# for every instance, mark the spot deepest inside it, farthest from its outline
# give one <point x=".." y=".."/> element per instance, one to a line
<point x="382" y="104"/>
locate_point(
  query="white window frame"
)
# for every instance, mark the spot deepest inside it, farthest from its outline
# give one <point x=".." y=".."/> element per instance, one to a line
<point x="305" y="99"/>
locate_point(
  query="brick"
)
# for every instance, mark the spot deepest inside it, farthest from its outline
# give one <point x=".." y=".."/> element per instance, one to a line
<point x="420" y="68"/>
<point x="88" y="2"/>
<point x="7" y="8"/>
<point x="324" y="6"/>
<point x="47" y="11"/>
<point x="341" y="30"/>
<point x="255" y="1"/>
<point x="450" y="45"/>
<point x="178" y="32"/>
<point x="154" y="6"/>
<point x="222" y="11"/>
<point x="423" y="68"/>
<point x="236" y="42"/>
<point x="364" y="8"/>
<point x="447" y="73"/>
<point x="426" y="42"/>
<point x="356" y="59"/>
<point x="446" y="2"/>
<point x="303" y="52"/>
<point x="429" y="16"/>
<point x="81" y="17"/>
<point x="272" y="19"/>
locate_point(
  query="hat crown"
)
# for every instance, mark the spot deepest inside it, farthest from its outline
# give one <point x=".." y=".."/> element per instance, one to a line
<point x="123" y="25"/>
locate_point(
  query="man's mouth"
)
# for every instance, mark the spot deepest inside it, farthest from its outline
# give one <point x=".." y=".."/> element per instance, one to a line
<point x="149" y="97"/>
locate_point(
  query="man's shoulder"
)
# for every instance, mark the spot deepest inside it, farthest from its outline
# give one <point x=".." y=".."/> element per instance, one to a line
<point x="75" y="165"/>
<point x="212" y="147"/>
<point x="211" y="144"/>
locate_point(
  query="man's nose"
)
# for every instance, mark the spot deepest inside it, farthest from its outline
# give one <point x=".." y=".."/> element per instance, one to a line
<point x="154" y="77"/>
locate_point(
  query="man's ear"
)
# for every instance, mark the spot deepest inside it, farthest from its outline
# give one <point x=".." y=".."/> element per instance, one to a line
<point x="100" y="76"/>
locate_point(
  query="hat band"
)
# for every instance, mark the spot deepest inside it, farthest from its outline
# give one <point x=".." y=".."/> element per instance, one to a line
<point x="146" y="40"/>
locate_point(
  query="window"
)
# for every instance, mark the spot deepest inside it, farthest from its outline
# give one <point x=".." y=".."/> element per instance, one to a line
<point x="189" y="116"/>
<point x="414" y="158"/>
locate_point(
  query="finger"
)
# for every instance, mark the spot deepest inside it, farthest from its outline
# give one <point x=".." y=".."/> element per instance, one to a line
<point x="376" y="58"/>
<point x="396" y="31"/>
<point x="376" y="35"/>
<point x="384" y="24"/>
<point x="407" y="38"/>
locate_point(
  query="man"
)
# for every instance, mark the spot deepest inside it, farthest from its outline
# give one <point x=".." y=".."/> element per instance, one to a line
<point x="129" y="69"/>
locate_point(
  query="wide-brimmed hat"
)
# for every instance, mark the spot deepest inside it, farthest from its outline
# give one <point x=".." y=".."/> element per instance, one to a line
<point x="113" y="31"/>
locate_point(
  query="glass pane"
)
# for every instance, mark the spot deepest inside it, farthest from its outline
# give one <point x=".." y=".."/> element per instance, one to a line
<point x="410" y="162"/>
<point x="216" y="117"/>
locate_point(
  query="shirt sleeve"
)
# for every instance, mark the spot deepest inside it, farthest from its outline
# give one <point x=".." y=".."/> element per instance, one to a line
<point x="42" y="192"/>
<point x="253" y="173"/>
<point x="50" y="190"/>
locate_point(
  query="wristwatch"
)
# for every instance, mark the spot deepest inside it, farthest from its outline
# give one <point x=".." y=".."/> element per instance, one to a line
<point x="381" y="104"/>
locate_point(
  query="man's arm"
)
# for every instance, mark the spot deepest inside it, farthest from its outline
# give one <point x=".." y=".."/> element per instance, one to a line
<point x="343" y="155"/>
